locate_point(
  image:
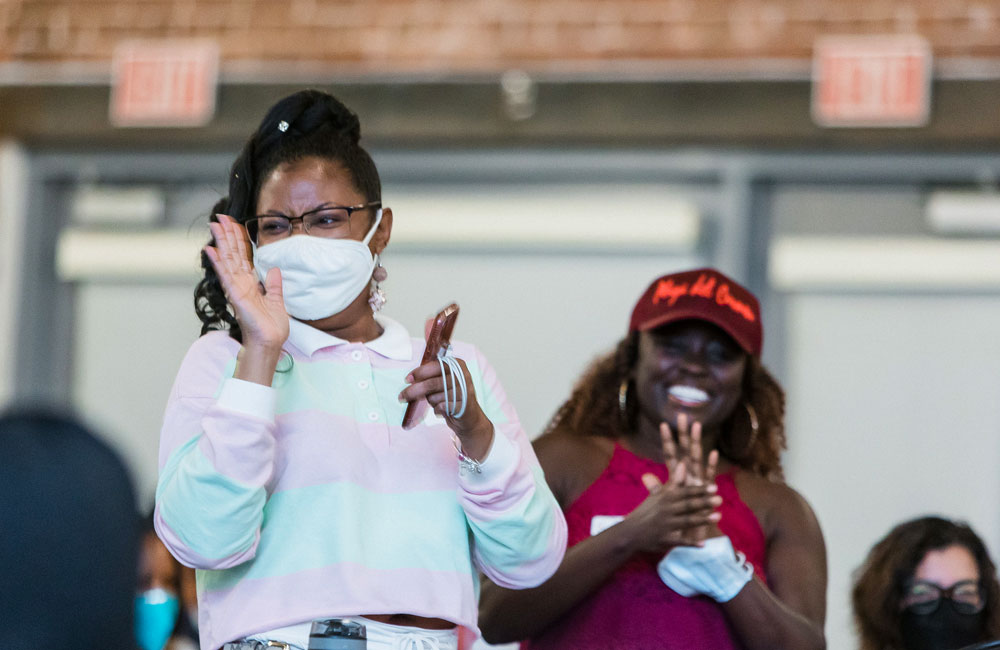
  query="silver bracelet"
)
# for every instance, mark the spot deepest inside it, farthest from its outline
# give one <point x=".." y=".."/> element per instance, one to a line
<point x="466" y="463"/>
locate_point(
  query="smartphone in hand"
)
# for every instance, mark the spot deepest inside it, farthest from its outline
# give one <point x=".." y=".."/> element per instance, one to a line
<point x="438" y="333"/>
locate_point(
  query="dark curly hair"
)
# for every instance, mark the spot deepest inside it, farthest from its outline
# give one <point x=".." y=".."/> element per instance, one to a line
<point x="593" y="409"/>
<point x="316" y="124"/>
<point x="881" y="582"/>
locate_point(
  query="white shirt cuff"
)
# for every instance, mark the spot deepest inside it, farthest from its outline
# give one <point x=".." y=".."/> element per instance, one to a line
<point x="248" y="398"/>
<point x="502" y="456"/>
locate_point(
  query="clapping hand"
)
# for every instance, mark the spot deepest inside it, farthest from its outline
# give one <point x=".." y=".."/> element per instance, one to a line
<point x="687" y="467"/>
<point x="682" y="510"/>
<point x="688" y="451"/>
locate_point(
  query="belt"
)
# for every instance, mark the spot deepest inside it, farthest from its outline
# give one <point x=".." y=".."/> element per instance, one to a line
<point x="260" y="645"/>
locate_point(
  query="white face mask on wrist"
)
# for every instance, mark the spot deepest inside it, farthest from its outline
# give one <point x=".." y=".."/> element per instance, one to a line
<point x="320" y="277"/>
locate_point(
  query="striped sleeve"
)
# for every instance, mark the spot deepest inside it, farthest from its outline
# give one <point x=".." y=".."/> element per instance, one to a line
<point x="518" y="529"/>
<point x="216" y="457"/>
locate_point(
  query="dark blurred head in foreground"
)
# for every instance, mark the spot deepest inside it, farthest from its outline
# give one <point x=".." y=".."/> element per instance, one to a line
<point x="68" y="548"/>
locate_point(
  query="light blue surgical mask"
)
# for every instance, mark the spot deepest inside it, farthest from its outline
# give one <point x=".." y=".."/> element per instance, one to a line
<point x="155" y="616"/>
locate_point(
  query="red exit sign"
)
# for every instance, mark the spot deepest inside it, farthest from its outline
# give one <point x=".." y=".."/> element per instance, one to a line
<point x="871" y="81"/>
<point x="164" y="83"/>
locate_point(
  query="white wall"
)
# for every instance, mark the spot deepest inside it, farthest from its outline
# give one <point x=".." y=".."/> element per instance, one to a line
<point x="13" y="191"/>
<point x="129" y="341"/>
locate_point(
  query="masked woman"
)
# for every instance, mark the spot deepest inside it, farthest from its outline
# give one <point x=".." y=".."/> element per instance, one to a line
<point x="927" y="585"/>
<point x="668" y="551"/>
<point x="286" y="477"/>
<point x="163" y="602"/>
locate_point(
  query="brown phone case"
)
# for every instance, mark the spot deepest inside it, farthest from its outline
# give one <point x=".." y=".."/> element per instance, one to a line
<point x="438" y="336"/>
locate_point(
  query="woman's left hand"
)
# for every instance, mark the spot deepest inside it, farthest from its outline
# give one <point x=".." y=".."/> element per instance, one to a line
<point x="701" y="467"/>
<point x="474" y="430"/>
<point x="688" y="452"/>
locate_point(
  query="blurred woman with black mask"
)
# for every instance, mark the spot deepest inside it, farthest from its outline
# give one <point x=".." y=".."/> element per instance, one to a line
<point x="927" y="585"/>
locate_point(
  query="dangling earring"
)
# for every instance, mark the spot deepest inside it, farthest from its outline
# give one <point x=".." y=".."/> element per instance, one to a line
<point x="377" y="299"/>
<point x="623" y="402"/>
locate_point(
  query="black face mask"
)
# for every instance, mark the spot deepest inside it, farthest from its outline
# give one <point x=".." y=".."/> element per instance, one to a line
<point x="942" y="629"/>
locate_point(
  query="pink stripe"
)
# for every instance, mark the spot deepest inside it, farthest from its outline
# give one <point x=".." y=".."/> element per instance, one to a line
<point x="203" y="364"/>
<point x="239" y="446"/>
<point x="317" y="448"/>
<point x="181" y="422"/>
<point x="255" y="606"/>
<point x="502" y="492"/>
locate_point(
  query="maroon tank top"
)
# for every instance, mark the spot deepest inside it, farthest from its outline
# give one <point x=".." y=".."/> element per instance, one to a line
<point x="634" y="610"/>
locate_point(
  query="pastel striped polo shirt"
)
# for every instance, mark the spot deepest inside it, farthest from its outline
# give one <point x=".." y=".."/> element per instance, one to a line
<point x="307" y="499"/>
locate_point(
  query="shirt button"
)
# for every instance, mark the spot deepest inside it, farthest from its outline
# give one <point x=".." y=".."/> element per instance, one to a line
<point x="363" y="384"/>
<point x="356" y="355"/>
<point x="373" y="416"/>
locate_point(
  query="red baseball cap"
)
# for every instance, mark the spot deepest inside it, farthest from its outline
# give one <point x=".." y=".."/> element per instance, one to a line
<point x="702" y="294"/>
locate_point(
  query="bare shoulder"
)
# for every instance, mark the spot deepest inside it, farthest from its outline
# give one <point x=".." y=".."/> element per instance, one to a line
<point x="571" y="462"/>
<point x="796" y="552"/>
<point x="777" y="505"/>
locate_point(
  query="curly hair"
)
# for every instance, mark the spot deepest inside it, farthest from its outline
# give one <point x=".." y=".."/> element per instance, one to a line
<point x="309" y="123"/>
<point x="593" y="409"/>
<point x="881" y="582"/>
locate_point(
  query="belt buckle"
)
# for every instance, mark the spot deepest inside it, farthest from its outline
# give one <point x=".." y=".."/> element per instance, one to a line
<point x="278" y="644"/>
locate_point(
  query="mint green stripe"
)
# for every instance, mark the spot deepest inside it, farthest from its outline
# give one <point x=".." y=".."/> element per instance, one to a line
<point x="332" y="387"/>
<point x="425" y="530"/>
<point x="388" y="382"/>
<point x="521" y="536"/>
<point x="213" y="515"/>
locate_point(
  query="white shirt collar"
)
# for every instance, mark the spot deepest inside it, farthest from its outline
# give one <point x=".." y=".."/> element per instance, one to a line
<point x="393" y="344"/>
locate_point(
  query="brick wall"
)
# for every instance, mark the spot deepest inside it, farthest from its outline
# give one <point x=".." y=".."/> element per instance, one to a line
<point x="485" y="35"/>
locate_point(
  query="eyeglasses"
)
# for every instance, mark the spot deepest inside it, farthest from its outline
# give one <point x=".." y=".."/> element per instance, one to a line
<point x="333" y="222"/>
<point x="966" y="597"/>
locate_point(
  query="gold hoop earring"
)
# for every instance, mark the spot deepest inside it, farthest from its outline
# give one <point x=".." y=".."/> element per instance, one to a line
<point x="754" y="424"/>
<point x="754" y="428"/>
<point x="623" y="401"/>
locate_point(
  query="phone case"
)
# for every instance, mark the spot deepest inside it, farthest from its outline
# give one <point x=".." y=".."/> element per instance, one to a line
<point x="438" y="332"/>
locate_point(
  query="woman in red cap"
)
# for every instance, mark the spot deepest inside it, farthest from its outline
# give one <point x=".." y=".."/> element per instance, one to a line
<point x="666" y="462"/>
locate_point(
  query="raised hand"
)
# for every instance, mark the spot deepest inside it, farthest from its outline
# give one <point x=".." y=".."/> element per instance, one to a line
<point x="673" y="513"/>
<point x="687" y="455"/>
<point x="689" y="451"/>
<point x="691" y="516"/>
<point x="473" y="429"/>
<point x="260" y="311"/>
